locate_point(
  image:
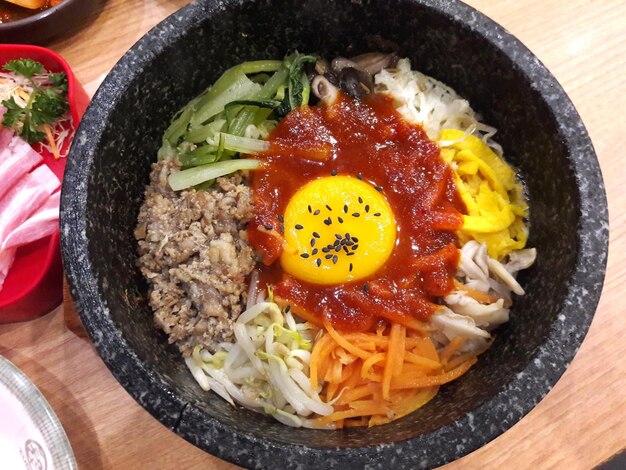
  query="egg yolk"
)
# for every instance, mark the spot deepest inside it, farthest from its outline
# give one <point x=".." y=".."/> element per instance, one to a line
<point x="337" y="229"/>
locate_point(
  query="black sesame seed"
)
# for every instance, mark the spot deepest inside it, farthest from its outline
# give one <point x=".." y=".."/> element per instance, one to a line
<point x="329" y="208"/>
<point x="378" y="188"/>
<point x="328" y="221"/>
<point x="366" y="287"/>
<point x="356" y="214"/>
<point x="336" y="243"/>
<point x="312" y="242"/>
<point x="282" y="228"/>
<point x="338" y="248"/>
<point x="338" y="236"/>
<point x="345" y="248"/>
<point x="288" y="309"/>
<point x="351" y="253"/>
<point x="317" y="212"/>
<point x="345" y="208"/>
<point x="318" y="261"/>
<point x="268" y="227"/>
<point x="343" y="241"/>
<point x="314" y="252"/>
<point x="304" y="255"/>
<point x="355" y="239"/>
<point x="340" y="220"/>
<point x="335" y="258"/>
<point x="354" y="247"/>
<point x="328" y="256"/>
<point x="359" y="176"/>
<point x="325" y="249"/>
<point x="299" y="227"/>
<point x="280" y="218"/>
<point x="360" y="200"/>
<point x="350" y="268"/>
<point x="309" y="209"/>
<point x="334" y="172"/>
<point x="367" y="208"/>
<point x="348" y="236"/>
<point x="316" y="235"/>
<point x="349" y="243"/>
<point x="377" y="214"/>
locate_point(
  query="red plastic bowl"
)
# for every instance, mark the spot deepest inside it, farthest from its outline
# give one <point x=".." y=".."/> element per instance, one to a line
<point x="34" y="285"/>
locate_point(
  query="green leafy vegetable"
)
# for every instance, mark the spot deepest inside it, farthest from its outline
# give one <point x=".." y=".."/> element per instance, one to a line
<point x="197" y="175"/>
<point x="24" y="67"/>
<point x="232" y="117"/>
<point x="47" y="103"/>
<point x="269" y="104"/>
<point x="298" y="83"/>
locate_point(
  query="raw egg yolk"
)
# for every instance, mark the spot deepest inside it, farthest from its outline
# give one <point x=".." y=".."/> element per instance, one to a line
<point x="337" y="229"/>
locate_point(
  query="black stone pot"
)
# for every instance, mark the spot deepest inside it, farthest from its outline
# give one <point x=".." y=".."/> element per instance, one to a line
<point x="538" y="127"/>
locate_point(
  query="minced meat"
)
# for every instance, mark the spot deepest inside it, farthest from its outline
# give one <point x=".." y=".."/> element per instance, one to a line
<point x="194" y="253"/>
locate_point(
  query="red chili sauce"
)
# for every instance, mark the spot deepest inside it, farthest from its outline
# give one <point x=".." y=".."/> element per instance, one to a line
<point x="370" y="140"/>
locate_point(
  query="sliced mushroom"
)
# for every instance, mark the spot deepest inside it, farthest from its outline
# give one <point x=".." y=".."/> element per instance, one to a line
<point x="374" y="62"/>
<point x="324" y="90"/>
<point x="355" y="82"/>
<point x="340" y="63"/>
<point x="322" y="66"/>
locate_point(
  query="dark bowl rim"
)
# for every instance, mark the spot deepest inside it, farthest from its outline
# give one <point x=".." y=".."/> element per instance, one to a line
<point x="42" y="15"/>
<point x="456" y="440"/>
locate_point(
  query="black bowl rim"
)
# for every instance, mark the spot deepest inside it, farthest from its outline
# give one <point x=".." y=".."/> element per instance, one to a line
<point x="445" y="444"/>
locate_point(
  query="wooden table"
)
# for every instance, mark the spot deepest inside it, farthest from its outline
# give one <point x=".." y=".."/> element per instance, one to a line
<point x="581" y="422"/>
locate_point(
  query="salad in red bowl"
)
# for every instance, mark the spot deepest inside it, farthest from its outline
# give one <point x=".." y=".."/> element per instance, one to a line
<point x="40" y="106"/>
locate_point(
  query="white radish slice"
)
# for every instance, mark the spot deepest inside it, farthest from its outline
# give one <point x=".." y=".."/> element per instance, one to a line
<point x="41" y="224"/>
<point x="16" y="159"/>
<point x="5" y="134"/>
<point x="25" y="198"/>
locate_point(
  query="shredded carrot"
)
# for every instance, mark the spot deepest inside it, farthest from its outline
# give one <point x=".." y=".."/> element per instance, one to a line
<point x="355" y="393"/>
<point x="370" y="361"/>
<point x="476" y="295"/>
<point x="356" y="422"/>
<point x="399" y="350"/>
<point x="457" y="361"/>
<point x="424" y="347"/>
<point x="407" y="381"/>
<point x="344" y="357"/>
<point x="322" y="348"/>
<point x="344" y="343"/>
<point x="53" y="145"/>
<point x="421" y="361"/>
<point x="376" y="377"/>
<point x="396" y="341"/>
<point x="452" y="347"/>
<point x="331" y="390"/>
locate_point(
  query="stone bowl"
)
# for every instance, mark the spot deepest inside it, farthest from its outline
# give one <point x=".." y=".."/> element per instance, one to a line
<point x="542" y="135"/>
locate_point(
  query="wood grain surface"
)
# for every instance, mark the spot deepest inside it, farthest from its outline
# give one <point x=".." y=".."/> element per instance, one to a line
<point x="581" y="422"/>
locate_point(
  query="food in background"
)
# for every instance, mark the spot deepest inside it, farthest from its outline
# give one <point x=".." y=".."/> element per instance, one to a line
<point x="13" y="10"/>
<point x="330" y="242"/>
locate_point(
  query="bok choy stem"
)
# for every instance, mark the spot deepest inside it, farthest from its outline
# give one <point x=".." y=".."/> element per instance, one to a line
<point x="187" y="178"/>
